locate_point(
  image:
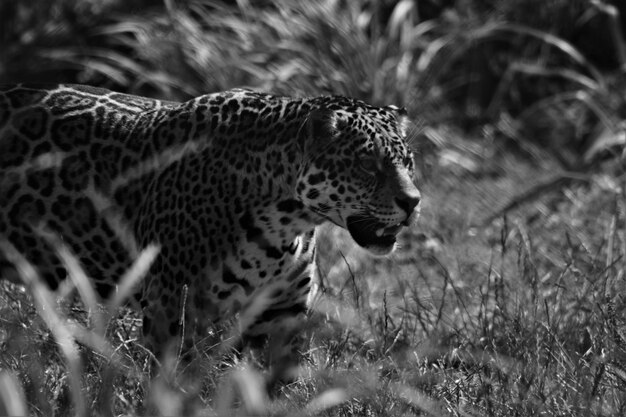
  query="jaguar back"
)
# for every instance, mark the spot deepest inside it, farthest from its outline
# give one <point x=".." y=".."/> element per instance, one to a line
<point x="62" y="149"/>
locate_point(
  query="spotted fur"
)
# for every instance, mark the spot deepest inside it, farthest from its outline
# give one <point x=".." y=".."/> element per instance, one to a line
<point x="231" y="186"/>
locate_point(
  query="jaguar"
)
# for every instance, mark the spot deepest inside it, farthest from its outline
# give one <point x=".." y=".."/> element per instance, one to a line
<point x="231" y="186"/>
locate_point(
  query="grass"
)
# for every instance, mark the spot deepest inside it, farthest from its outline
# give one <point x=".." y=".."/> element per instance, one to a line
<point x="487" y="324"/>
<point x="507" y="299"/>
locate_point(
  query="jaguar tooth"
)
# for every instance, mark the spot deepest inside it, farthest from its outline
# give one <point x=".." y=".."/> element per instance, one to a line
<point x="380" y="232"/>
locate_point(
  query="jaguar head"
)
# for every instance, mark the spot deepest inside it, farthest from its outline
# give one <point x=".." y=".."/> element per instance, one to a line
<point x="358" y="172"/>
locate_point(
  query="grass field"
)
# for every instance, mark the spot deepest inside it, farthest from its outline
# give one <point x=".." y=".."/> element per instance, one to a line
<point x="507" y="299"/>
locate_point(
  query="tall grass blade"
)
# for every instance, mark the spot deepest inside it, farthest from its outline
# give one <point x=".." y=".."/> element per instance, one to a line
<point x="46" y="307"/>
<point x="12" y="400"/>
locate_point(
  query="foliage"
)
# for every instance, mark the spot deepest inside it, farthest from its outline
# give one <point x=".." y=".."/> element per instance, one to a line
<point x="507" y="299"/>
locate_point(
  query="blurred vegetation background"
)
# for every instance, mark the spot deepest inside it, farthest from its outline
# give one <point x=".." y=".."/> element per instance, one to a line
<point x="527" y="68"/>
<point x="508" y="299"/>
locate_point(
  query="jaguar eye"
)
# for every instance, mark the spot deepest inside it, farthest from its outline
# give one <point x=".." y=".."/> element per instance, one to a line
<point x="368" y="165"/>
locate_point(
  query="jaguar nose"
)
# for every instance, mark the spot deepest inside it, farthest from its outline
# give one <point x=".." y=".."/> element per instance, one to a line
<point x="408" y="202"/>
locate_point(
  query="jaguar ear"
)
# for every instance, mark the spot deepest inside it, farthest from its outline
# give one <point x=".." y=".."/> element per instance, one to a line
<point x="401" y="117"/>
<point x="320" y="126"/>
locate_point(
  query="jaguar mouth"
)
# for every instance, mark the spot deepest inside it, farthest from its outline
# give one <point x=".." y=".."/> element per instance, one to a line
<point x="373" y="235"/>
